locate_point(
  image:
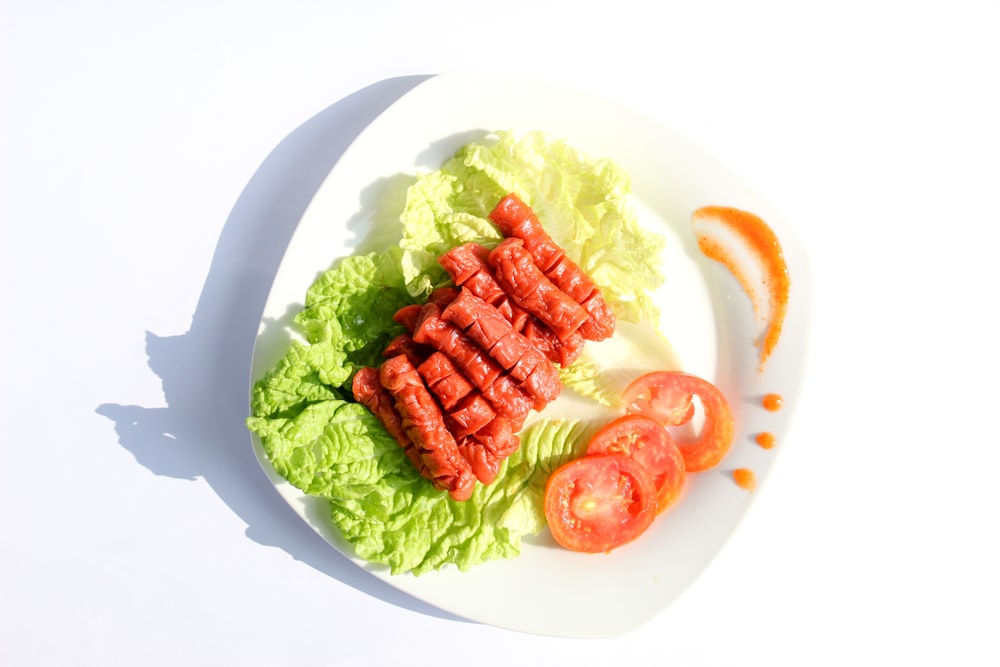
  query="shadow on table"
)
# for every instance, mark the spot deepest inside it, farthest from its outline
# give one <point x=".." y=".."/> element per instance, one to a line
<point x="205" y="372"/>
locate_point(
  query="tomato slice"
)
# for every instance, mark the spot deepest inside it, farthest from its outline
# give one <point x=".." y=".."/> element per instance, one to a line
<point x="667" y="402"/>
<point x="598" y="502"/>
<point x="661" y="396"/>
<point x="648" y="442"/>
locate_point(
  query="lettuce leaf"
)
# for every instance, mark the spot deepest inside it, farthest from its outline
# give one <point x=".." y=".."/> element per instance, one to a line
<point x="304" y="375"/>
<point x="407" y="525"/>
<point x="350" y="306"/>
<point x="316" y="448"/>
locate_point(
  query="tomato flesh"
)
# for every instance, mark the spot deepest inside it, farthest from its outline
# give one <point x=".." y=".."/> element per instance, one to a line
<point x="666" y="402"/>
<point x="598" y="502"/>
<point x="661" y="396"/>
<point x="651" y="445"/>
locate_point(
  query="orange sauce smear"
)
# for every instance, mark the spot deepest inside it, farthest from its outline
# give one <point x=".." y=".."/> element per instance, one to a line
<point x="766" y="440"/>
<point x="763" y="244"/>
<point x="745" y="479"/>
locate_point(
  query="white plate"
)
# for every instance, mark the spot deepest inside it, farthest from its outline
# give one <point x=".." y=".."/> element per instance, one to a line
<point x="707" y="317"/>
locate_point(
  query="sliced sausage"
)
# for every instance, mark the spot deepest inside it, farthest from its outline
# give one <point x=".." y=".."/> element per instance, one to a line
<point x="444" y="379"/>
<point x="423" y="422"/>
<point x="491" y="331"/>
<point x="368" y="390"/>
<point x="474" y="362"/>
<point x="516" y="219"/>
<point x="468" y="266"/>
<point x="515" y="270"/>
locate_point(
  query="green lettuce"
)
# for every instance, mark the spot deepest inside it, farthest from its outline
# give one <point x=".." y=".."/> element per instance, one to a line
<point x="351" y="306"/>
<point x="324" y="443"/>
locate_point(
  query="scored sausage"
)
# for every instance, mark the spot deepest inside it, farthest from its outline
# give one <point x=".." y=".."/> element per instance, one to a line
<point x="424" y="423"/>
<point x="469" y="267"/>
<point x="515" y="270"/>
<point x="485" y="325"/>
<point x="516" y="219"/>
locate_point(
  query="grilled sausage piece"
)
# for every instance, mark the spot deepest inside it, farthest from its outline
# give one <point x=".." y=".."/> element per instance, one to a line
<point x="409" y="314"/>
<point x="423" y="422"/>
<point x="470" y="415"/>
<point x="487" y="448"/>
<point x="515" y="270"/>
<point x="562" y="352"/>
<point x="485" y="325"/>
<point x="405" y="345"/>
<point x="368" y="390"/>
<point x="484" y="437"/>
<point x="444" y="379"/>
<point x="517" y="219"/>
<point x="469" y="267"/>
<point x="475" y="364"/>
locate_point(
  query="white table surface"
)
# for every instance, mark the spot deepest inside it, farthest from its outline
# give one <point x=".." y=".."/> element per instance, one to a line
<point x="156" y="156"/>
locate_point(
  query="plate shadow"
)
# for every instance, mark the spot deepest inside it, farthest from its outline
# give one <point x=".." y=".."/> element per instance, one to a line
<point x="205" y="373"/>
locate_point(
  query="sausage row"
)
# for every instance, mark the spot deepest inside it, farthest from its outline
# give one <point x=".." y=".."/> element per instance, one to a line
<point x="478" y="356"/>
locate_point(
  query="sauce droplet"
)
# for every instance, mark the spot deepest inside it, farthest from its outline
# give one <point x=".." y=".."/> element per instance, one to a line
<point x="748" y="247"/>
<point x="765" y="440"/>
<point x="772" y="402"/>
<point x="745" y="479"/>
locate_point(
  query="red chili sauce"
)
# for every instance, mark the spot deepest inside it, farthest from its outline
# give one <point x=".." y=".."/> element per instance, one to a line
<point x="772" y="402"/>
<point x="765" y="440"/>
<point x="763" y="246"/>
<point x="745" y="479"/>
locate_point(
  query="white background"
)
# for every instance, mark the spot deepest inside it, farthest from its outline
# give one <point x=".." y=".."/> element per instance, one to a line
<point x="155" y="157"/>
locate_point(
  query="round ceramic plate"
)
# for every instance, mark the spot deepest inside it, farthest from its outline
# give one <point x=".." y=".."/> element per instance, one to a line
<point x="707" y="318"/>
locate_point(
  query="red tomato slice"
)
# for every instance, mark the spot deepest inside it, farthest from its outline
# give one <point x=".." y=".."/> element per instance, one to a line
<point x="652" y="395"/>
<point x="598" y="502"/>
<point x="648" y="442"/>
<point x="666" y="402"/>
